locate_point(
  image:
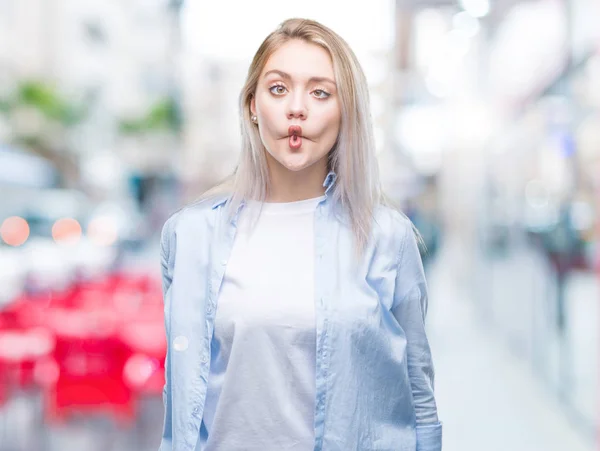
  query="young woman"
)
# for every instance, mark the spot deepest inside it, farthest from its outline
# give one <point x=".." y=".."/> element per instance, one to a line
<point x="294" y="297"/>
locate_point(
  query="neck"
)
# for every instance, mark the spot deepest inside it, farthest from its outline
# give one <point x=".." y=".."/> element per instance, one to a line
<point x="292" y="186"/>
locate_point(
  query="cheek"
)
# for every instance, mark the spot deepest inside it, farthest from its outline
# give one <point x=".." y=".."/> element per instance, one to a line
<point x="267" y="106"/>
<point x="270" y="114"/>
<point x="331" y="121"/>
<point x="332" y="115"/>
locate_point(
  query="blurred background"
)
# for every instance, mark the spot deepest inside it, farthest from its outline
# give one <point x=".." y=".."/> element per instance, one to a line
<point x="115" y="113"/>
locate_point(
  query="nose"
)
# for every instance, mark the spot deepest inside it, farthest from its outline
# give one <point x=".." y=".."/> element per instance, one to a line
<point x="296" y="107"/>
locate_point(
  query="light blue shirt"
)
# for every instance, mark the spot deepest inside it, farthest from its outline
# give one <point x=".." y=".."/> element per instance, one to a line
<point x="374" y="373"/>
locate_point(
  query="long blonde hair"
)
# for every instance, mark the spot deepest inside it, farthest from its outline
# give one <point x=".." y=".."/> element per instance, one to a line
<point x="353" y="158"/>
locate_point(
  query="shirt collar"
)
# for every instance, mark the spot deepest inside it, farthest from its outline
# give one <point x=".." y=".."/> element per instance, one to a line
<point x="329" y="181"/>
<point x="328" y="184"/>
<point x="219" y="201"/>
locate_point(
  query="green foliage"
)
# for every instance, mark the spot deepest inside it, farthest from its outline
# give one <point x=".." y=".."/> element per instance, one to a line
<point x="30" y="142"/>
<point x="162" y="116"/>
<point x="4" y="106"/>
<point x="44" y="98"/>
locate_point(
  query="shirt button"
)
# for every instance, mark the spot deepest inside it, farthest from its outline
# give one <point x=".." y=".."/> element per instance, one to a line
<point x="204" y="359"/>
<point x="209" y="310"/>
<point x="224" y="262"/>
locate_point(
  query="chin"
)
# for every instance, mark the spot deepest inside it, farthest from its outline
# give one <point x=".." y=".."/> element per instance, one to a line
<point x="294" y="166"/>
<point x="295" y="163"/>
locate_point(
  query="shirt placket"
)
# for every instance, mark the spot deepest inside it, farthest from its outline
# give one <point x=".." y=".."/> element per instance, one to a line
<point x="322" y="321"/>
<point x="223" y="239"/>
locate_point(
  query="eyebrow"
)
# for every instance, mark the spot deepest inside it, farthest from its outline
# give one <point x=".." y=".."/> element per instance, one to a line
<point x="289" y="77"/>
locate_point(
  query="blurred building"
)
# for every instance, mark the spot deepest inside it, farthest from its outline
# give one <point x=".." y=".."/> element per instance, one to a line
<point x="119" y="60"/>
<point x="498" y="104"/>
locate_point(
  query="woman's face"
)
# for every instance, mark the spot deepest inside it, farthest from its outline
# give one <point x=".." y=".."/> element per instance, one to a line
<point x="297" y="105"/>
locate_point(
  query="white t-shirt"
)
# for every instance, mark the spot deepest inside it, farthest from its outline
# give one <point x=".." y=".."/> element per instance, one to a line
<point x="261" y="386"/>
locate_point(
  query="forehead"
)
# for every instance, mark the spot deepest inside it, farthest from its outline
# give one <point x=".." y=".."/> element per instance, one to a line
<point x="301" y="59"/>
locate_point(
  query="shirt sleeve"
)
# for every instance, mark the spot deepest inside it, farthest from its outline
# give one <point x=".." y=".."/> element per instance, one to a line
<point x="166" y="443"/>
<point x="410" y="310"/>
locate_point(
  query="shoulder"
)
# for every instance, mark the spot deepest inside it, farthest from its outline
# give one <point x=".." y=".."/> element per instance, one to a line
<point x="392" y="222"/>
<point x="194" y="214"/>
<point x="393" y="230"/>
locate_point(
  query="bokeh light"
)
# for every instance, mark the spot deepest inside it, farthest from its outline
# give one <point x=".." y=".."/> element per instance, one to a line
<point x="66" y="230"/>
<point x="102" y="231"/>
<point x="14" y="231"/>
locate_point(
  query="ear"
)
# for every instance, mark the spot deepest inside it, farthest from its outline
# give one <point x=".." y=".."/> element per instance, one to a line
<point x="253" y="106"/>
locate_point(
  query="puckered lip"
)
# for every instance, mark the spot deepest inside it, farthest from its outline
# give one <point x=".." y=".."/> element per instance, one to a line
<point x="295" y="130"/>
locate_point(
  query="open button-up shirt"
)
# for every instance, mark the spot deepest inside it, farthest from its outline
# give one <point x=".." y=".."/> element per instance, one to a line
<point x="374" y="371"/>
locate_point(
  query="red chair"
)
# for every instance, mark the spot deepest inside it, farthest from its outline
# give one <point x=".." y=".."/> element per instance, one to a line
<point x="138" y="282"/>
<point x="3" y="375"/>
<point x="144" y="370"/>
<point x="21" y="348"/>
<point x="3" y="385"/>
<point x="90" y="361"/>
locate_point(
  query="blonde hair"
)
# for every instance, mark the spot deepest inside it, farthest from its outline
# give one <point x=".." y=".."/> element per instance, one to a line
<point x="352" y="158"/>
